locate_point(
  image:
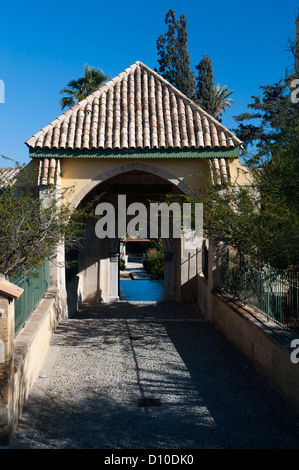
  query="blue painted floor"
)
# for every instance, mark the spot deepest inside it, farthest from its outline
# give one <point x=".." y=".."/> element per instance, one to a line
<point x="141" y="290"/>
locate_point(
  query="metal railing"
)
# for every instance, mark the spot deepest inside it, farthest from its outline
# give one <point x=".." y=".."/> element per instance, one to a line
<point x="273" y="293"/>
<point x="35" y="284"/>
<point x="205" y="260"/>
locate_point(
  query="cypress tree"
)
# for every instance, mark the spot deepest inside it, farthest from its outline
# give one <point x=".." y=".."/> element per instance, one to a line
<point x="204" y="94"/>
<point x="174" y="59"/>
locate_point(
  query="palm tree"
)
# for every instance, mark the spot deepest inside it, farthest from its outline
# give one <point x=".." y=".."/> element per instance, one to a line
<point x="79" y="89"/>
<point x="222" y="99"/>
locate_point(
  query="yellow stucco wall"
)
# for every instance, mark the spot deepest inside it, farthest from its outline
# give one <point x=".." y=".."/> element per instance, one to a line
<point x="240" y="174"/>
<point x="82" y="174"/>
<point x="77" y="173"/>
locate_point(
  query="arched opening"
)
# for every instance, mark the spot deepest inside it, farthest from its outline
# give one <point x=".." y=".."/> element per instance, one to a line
<point x="129" y="167"/>
<point x="96" y="277"/>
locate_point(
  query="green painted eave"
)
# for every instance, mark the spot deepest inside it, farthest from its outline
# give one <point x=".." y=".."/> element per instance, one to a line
<point x="129" y="154"/>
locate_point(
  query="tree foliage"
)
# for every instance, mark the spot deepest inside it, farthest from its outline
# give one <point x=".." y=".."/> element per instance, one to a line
<point x="256" y="221"/>
<point x="262" y="219"/>
<point x="31" y="226"/>
<point x="174" y="66"/>
<point x="259" y="218"/>
<point x="270" y="124"/>
<point x="214" y="99"/>
<point x="204" y="94"/>
<point x="79" y="89"/>
<point x="154" y="261"/>
<point x="174" y="62"/>
<point x="222" y="98"/>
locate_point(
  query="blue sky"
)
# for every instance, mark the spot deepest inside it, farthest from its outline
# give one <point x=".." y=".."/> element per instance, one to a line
<point x="43" y="45"/>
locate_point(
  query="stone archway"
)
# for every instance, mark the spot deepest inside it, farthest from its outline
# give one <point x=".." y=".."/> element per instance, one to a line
<point x="99" y="263"/>
<point x="124" y="169"/>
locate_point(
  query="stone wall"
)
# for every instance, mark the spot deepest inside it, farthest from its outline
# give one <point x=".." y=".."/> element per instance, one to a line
<point x="265" y="344"/>
<point x="26" y="358"/>
<point x="6" y="365"/>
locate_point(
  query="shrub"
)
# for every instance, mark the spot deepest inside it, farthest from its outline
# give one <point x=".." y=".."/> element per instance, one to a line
<point x="154" y="263"/>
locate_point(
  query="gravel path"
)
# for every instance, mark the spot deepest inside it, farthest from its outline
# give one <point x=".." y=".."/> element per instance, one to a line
<point x="104" y="360"/>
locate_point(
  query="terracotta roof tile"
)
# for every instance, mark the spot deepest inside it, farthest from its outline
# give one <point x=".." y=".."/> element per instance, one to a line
<point x="138" y="109"/>
<point x="220" y="172"/>
<point x="9" y="174"/>
<point x="49" y="171"/>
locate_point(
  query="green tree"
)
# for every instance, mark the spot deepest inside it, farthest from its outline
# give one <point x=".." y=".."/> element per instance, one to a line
<point x="204" y="94"/>
<point x="270" y="123"/>
<point x="256" y="221"/>
<point x="154" y="261"/>
<point x="262" y="219"/>
<point x="174" y="62"/>
<point x="222" y="99"/>
<point x="31" y="226"/>
<point x="174" y="66"/>
<point x="79" y="89"/>
<point x="213" y="99"/>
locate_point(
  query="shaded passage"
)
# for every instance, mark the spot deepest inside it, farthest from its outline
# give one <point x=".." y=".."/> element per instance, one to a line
<point x="102" y="363"/>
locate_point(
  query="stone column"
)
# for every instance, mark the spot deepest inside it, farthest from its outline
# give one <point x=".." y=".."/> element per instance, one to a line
<point x="57" y="280"/>
<point x="89" y="264"/>
<point x="57" y="263"/>
<point x="189" y="269"/>
<point x="168" y="277"/>
<point x="114" y="276"/>
<point x="177" y="269"/>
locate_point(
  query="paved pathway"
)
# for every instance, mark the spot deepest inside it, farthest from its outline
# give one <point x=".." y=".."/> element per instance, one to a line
<point x="103" y="361"/>
<point x="136" y="270"/>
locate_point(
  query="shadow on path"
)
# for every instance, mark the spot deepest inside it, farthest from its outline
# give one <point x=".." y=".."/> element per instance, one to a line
<point x="108" y="357"/>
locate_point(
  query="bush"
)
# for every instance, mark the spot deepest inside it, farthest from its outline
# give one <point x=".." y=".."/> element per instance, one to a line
<point x="154" y="263"/>
<point x="122" y="264"/>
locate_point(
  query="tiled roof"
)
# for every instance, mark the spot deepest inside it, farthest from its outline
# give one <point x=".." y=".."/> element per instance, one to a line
<point x="8" y="174"/>
<point x="138" y="109"/>
<point x="49" y="171"/>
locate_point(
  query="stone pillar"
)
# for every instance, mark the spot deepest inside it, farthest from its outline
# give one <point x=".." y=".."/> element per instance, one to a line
<point x="8" y="292"/>
<point x="89" y="264"/>
<point x="168" y="277"/>
<point x="177" y="269"/>
<point x="57" y="263"/>
<point x="189" y="267"/>
<point x="57" y="280"/>
<point x="114" y="276"/>
<point x="104" y="271"/>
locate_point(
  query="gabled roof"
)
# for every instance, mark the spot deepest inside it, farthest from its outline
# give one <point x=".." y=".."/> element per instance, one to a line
<point x="138" y="109"/>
